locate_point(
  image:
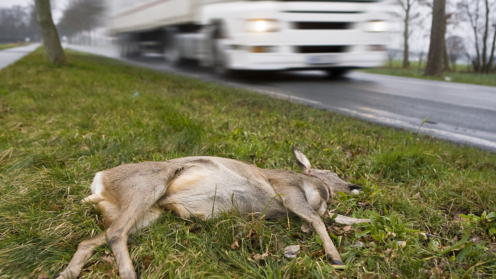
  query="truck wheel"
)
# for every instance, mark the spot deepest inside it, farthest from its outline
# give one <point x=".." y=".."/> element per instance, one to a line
<point x="135" y="49"/>
<point x="219" y="57"/>
<point x="337" y="72"/>
<point x="220" y="62"/>
<point x="171" y="50"/>
<point x="212" y="51"/>
<point x="124" y="49"/>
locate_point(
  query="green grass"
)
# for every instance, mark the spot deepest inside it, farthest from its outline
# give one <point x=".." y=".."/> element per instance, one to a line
<point x="462" y="75"/>
<point x="59" y="126"/>
<point x="11" y="45"/>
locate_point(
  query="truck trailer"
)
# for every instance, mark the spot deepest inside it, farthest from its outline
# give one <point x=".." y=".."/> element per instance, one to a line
<point x="229" y="35"/>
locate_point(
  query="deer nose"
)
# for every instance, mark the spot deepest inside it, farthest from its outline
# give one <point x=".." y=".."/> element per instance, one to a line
<point x="355" y="187"/>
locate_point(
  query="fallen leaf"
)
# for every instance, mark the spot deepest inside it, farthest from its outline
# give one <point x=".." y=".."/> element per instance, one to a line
<point x="348" y="228"/>
<point x="457" y="218"/>
<point x="250" y="233"/>
<point x="318" y="254"/>
<point x="22" y="130"/>
<point x="43" y="276"/>
<point x="416" y="196"/>
<point x="306" y="228"/>
<point x="291" y="251"/>
<point x="109" y="259"/>
<point x="235" y="245"/>
<point x="55" y="207"/>
<point x="492" y="248"/>
<point x="258" y="257"/>
<point x="216" y="225"/>
<point x="85" y="147"/>
<point x="358" y="244"/>
<point x="337" y="231"/>
<point x="436" y="272"/>
<point x="49" y="122"/>
<point x="296" y="236"/>
<point x="195" y="228"/>
<point x="147" y="261"/>
<point x="304" y="249"/>
<point x="388" y="251"/>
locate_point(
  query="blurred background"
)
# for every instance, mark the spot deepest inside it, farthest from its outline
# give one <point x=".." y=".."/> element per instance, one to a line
<point x="469" y="38"/>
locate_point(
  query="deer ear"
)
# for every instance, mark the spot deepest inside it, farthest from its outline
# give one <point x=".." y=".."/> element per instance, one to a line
<point x="302" y="160"/>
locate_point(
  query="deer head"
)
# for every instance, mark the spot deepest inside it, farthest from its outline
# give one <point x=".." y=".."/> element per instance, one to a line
<point x="331" y="179"/>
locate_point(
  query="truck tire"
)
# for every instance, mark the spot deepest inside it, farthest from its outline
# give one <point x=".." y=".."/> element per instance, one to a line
<point x="172" y="53"/>
<point x="129" y="47"/>
<point x="337" y="72"/>
<point x="123" y="49"/>
<point x="215" y="55"/>
<point x="220" y="62"/>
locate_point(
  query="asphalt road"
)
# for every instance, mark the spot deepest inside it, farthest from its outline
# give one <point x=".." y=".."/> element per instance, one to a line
<point x="11" y="55"/>
<point x="457" y="112"/>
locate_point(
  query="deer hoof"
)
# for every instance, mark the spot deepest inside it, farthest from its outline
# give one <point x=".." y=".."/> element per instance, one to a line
<point x="334" y="262"/>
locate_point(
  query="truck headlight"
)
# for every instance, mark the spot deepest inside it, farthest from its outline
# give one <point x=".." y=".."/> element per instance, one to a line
<point x="261" y="25"/>
<point x="375" y="26"/>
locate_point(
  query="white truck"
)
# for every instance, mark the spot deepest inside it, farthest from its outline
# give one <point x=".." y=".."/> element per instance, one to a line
<point x="229" y="35"/>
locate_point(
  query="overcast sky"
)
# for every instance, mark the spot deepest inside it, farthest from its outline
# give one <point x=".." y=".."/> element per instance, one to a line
<point x="58" y="6"/>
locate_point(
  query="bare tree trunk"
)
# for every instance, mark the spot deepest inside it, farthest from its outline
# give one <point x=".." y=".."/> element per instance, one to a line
<point x="406" y="61"/>
<point x="474" y="23"/>
<point x="491" y="59"/>
<point x="434" y="65"/>
<point x="485" y="67"/>
<point x="50" y="36"/>
<point x="420" y="60"/>
<point x="445" y="58"/>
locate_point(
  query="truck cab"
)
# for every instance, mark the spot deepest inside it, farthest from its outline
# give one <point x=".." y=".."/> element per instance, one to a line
<point x="329" y="35"/>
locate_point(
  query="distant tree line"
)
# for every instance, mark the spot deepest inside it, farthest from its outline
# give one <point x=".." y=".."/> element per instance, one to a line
<point x="80" y="18"/>
<point x="448" y="47"/>
<point x="17" y="24"/>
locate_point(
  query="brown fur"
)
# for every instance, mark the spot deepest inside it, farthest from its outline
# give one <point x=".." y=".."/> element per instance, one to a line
<point x="132" y="196"/>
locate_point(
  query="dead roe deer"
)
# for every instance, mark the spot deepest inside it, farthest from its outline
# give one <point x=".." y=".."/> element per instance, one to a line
<point x="133" y="196"/>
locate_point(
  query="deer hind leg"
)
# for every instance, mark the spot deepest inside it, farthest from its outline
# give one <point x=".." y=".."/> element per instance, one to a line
<point x="149" y="217"/>
<point x="86" y="248"/>
<point x="117" y="236"/>
<point x="83" y="253"/>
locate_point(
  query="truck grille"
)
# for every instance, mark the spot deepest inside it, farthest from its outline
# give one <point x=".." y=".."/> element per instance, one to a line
<point x="353" y="1"/>
<point x="322" y="25"/>
<point x="321" y="49"/>
<point x="325" y="12"/>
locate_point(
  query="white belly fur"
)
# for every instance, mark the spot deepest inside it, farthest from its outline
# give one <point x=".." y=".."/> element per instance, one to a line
<point x="203" y="191"/>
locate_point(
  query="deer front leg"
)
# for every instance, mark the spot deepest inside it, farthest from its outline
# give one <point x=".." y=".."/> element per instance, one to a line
<point x="295" y="201"/>
<point x="345" y="220"/>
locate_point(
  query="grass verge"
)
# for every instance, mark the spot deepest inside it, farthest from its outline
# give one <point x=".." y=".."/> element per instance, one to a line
<point x="418" y="72"/>
<point x="59" y="126"/>
<point x="11" y="45"/>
